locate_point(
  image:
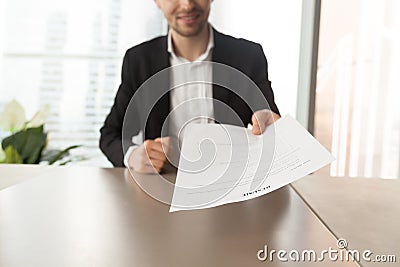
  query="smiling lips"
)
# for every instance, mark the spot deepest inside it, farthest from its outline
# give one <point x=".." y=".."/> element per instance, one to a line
<point x="189" y="18"/>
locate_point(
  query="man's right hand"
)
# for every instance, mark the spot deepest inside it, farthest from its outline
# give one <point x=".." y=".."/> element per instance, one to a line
<point x="150" y="156"/>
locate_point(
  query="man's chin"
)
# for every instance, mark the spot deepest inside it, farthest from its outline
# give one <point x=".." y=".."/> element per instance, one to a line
<point x="189" y="31"/>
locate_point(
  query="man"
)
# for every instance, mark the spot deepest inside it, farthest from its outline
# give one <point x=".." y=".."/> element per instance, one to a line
<point x="190" y="38"/>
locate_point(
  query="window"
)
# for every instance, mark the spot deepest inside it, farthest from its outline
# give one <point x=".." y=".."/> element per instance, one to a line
<point x="68" y="54"/>
<point x="276" y="25"/>
<point x="357" y="110"/>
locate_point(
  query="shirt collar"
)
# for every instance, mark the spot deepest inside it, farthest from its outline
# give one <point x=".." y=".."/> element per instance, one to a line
<point x="170" y="47"/>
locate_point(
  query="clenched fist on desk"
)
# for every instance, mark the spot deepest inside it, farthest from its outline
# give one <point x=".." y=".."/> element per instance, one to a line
<point x="151" y="156"/>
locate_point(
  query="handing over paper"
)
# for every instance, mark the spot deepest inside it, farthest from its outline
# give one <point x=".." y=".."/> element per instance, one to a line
<point x="221" y="164"/>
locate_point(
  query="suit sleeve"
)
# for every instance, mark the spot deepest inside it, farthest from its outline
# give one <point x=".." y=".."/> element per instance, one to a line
<point x="111" y="132"/>
<point x="262" y="80"/>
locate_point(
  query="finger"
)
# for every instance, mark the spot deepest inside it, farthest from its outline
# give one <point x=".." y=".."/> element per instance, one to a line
<point x="147" y="153"/>
<point x="155" y="145"/>
<point x="157" y="163"/>
<point x="256" y="130"/>
<point x="154" y="149"/>
<point x="165" y="143"/>
<point x="254" y="120"/>
<point x="155" y="154"/>
<point x="275" y="116"/>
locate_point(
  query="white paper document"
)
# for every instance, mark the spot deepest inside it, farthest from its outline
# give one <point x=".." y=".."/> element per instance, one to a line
<point x="221" y="164"/>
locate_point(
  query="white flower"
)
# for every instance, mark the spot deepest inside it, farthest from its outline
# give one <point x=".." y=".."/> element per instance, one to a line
<point x="40" y="117"/>
<point x="13" y="117"/>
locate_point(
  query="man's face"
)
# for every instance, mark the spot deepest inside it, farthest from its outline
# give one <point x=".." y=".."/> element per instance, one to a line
<point x="186" y="17"/>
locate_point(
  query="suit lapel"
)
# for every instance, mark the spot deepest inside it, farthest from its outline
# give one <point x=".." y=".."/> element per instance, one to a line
<point x="158" y="115"/>
<point x="219" y="93"/>
<point x="164" y="104"/>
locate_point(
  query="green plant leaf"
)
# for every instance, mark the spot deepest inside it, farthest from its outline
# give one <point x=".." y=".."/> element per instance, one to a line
<point x="12" y="156"/>
<point x="65" y="162"/>
<point x="29" y="143"/>
<point x="2" y="155"/>
<point x="61" y="154"/>
<point x="48" y="154"/>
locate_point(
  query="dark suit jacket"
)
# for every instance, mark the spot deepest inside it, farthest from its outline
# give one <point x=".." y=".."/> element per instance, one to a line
<point x="146" y="59"/>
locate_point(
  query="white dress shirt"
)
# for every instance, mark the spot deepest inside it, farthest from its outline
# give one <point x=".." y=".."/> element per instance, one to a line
<point x="189" y="103"/>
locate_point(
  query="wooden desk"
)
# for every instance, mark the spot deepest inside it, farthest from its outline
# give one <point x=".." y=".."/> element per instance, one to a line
<point x="74" y="216"/>
<point x="364" y="211"/>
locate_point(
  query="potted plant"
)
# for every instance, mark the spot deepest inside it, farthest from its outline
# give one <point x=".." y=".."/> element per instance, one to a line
<point x="27" y="140"/>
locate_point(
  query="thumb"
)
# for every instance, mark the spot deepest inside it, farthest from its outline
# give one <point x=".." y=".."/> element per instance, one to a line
<point x="256" y="126"/>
